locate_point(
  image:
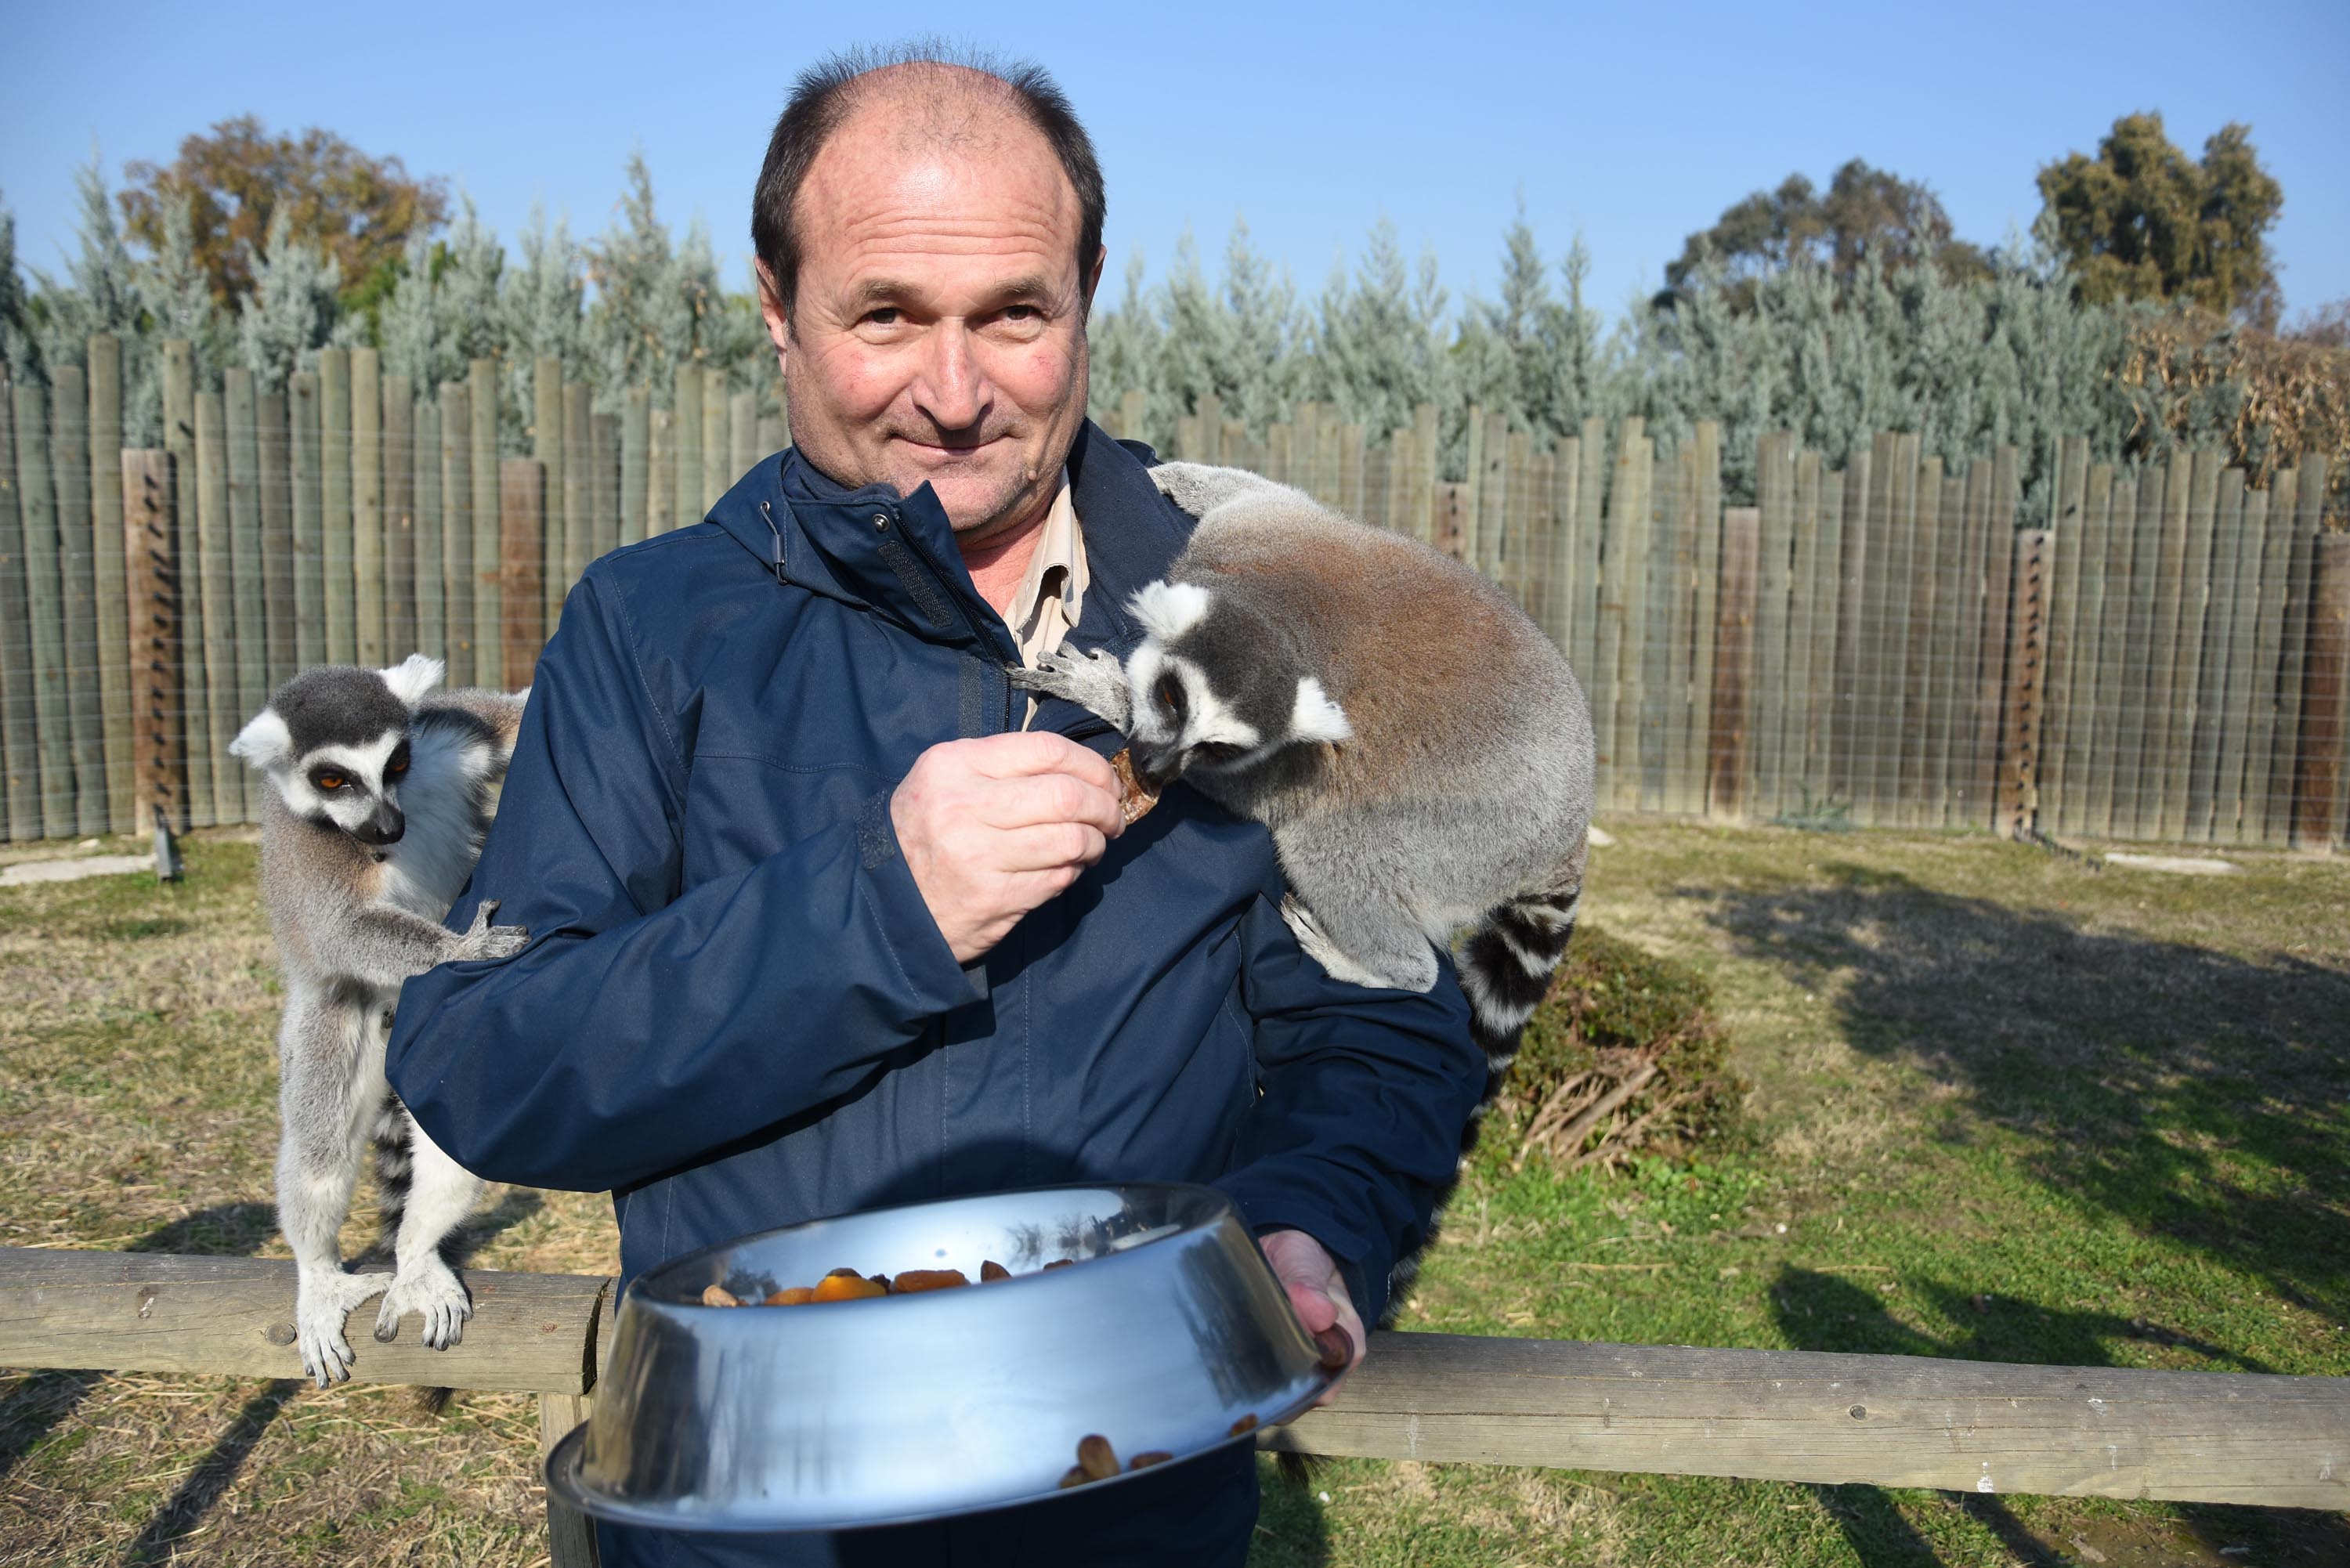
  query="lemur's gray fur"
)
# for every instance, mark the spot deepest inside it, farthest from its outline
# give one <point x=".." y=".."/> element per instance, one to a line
<point x="1418" y="747"/>
<point x="378" y="797"/>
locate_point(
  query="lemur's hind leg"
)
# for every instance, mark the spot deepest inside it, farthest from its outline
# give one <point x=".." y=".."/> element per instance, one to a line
<point x="326" y="1092"/>
<point x="1351" y="923"/>
<point x="440" y="1195"/>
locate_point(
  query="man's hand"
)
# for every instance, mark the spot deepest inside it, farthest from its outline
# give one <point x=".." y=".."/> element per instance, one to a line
<point x="993" y="828"/>
<point x="1318" y="1296"/>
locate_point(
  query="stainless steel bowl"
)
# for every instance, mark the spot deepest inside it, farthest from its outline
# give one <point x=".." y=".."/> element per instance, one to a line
<point x="1170" y="1332"/>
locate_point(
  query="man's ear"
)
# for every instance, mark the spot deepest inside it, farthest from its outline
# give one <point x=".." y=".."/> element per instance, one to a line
<point x="1093" y="281"/>
<point x="771" y="309"/>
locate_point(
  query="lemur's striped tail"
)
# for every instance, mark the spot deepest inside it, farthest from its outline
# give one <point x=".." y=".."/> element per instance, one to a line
<point x="1506" y="963"/>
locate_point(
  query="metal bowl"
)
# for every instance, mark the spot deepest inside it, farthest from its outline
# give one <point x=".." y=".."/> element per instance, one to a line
<point x="1171" y="1336"/>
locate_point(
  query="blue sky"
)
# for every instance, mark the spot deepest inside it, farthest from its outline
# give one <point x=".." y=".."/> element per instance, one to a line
<point x="1634" y="124"/>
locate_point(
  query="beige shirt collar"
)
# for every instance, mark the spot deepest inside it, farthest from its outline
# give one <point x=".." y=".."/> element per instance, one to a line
<point x="1052" y="592"/>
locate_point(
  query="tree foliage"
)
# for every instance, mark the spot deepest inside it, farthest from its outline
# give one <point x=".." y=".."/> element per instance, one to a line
<point x="2144" y="220"/>
<point x="1866" y="217"/>
<point x="361" y="210"/>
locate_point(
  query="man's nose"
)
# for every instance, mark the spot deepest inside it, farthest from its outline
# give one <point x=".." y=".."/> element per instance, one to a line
<point x="953" y="390"/>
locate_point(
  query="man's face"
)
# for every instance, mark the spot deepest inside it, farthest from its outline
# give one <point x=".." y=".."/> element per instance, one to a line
<point x="939" y="332"/>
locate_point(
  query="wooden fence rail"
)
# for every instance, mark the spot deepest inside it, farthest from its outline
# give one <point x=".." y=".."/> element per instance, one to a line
<point x="1772" y="1415"/>
<point x="1886" y="641"/>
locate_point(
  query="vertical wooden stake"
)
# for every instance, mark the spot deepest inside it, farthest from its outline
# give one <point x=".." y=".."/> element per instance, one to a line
<point x="2027" y="667"/>
<point x="2324" y="696"/>
<point x="18" y="752"/>
<point x="78" y="594"/>
<point x="488" y="560"/>
<point x="367" y="573"/>
<point x="248" y="628"/>
<point x="521" y="505"/>
<point x="398" y="520"/>
<point x="1733" y="662"/>
<point x="152" y="589"/>
<point x="113" y="616"/>
<point x="457" y="571"/>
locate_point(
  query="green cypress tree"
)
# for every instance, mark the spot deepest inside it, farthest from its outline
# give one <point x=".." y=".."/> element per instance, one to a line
<point x="20" y="351"/>
<point x="176" y="292"/>
<point x="290" y="313"/>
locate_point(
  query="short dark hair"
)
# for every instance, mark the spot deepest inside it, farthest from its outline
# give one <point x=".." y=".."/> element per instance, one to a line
<point x="822" y="97"/>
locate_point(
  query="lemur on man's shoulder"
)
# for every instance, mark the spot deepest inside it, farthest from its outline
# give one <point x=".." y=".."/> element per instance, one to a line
<point x="380" y="795"/>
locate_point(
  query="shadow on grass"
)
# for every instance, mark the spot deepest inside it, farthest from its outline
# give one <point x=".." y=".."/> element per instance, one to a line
<point x="1823" y="1311"/>
<point x="2194" y="1094"/>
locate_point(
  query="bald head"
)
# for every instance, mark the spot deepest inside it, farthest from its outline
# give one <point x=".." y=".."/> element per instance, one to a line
<point x="925" y="103"/>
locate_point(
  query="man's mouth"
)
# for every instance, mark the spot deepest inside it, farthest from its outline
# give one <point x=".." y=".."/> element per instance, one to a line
<point x="948" y="450"/>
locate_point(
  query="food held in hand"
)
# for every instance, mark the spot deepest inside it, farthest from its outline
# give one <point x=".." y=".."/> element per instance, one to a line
<point x="1135" y="798"/>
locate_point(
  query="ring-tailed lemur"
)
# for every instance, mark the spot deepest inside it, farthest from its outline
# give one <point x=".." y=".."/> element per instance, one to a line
<point x="1418" y="747"/>
<point x="377" y="802"/>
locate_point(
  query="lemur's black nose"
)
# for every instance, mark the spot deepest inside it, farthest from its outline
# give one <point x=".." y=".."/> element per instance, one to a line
<point x="384" y="826"/>
<point x="1156" y="767"/>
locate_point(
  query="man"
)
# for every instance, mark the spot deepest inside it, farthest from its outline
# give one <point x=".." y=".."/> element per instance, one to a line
<point x="825" y="914"/>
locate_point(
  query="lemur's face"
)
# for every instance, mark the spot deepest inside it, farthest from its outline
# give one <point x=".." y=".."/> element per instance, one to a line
<point x="334" y="744"/>
<point x="1216" y="687"/>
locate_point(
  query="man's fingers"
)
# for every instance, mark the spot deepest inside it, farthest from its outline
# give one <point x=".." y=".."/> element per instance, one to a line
<point x="1055" y="797"/>
<point x="1047" y="846"/>
<point x="1028" y="752"/>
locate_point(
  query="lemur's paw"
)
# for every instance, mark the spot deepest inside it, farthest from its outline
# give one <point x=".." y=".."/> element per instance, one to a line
<point x="484" y="941"/>
<point x="434" y="1292"/>
<point x="1095" y="681"/>
<point x="322" y="1300"/>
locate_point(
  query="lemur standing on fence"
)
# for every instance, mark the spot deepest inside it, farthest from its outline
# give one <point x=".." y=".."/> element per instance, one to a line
<point x="378" y="799"/>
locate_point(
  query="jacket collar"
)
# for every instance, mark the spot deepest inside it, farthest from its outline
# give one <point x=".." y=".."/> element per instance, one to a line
<point x="896" y="557"/>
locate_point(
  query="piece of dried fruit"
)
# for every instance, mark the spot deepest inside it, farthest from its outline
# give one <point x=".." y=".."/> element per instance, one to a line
<point x="914" y="1280"/>
<point x="1337" y="1348"/>
<point x="837" y="1273"/>
<point x="846" y="1288"/>
<point x="1073" y="1476"/>
<point x="1135" y="798"/>
<point x="991" y="1271"/>
<point x="1143" y="1462"/>
<point x="719" y="1295"/>
<point x="1096" y="1457"/>
<point x="1057" y="1263"/>
<point x="792" y="1295"/>
<point x="1245" y="1424"/>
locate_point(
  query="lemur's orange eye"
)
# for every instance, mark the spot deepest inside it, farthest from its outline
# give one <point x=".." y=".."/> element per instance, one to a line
<point x="329" y="780"/>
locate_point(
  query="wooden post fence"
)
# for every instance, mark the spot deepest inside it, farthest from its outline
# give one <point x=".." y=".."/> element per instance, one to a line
<point x="1985" y="1428"/>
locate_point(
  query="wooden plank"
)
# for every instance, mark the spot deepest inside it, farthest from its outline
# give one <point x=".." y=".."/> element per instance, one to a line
<point x="2324" y="695"/>
<point x="742" y="445"/>
<point x="179" y="441"/>
<point x="521" y="511"/>
<point x="488" y="562"/>
<point x="1684" y="769"/>
<point x="2309" y="494"/>
<point x="546" y="432"/>
<point x="19" y="750"/>
<point x="1354" y="454"/>
<point x="1704" y="605"/>
<point x="1494" y="497"/>
<point x="604" y="482"/>
<point x="2162" y="709"/>
<point x="1998" y="604"/>
<point x="1775" y="487"/>
<point x="1421" y="505"/>
<point x="368" y="555"/>
<point x="2136" y="783"/>
<point x="2114" y="622"/>
<point x="1567" y="592"/>
<point x="215" y="588"/>
<point x="1876" y="753"/>
<point x="1947" y="692"/>
<point x="399" y="519"/>
<point x="1733" y="662"/>
<point x="577" y="489"/>
<point x="1517" y="524"/>
<point x="685" y="403"/>
<point x="570" y="1534"/>
<point x="1798" y="746"/>
<point x="2268" y="638"/>
<point x="1847" y="749"/>
<point x="78" y="594"/>
<point x="152" y="593"/>
<point x="2186" y="649"/>
<point x="715" y="431"/>
<point x="233" y="1317"/>
<point x="1473" y="464"/>
<point x="337" y="548"/>
<point x="1919" y="592"/>
<point x="273" y="444"/>
<point x="635" y="452"/>
<point x="660" y="471"/>
<point x="1590" y="578"/>
<point x="108" y="575"/>
<point x="1658" y="705"/>
<point x="1983" y="1428"/>
<point x="1452" y="522"/>
<point x="1828" y="602"/>
<point x="424" y="485"/>
<point x="2088" y="640"/>
<point x="2233" y="820"/>
<point x="2293" y="648"/>
<point x="248" y="596"/>
<point x="1628" y="541"/>
<point x="2027" y="668"/>
<point x="457" y="528"/>
<point x="2064" y="515"/>
<point x="2219" y="637"/>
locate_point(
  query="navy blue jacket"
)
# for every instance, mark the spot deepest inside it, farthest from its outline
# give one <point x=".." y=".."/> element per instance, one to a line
<point x="736" y="1010"/>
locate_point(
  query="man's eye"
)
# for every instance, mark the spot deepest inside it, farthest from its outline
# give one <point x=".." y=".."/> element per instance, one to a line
<point x="885" y="317"/>
<point x="1021" y="313"/>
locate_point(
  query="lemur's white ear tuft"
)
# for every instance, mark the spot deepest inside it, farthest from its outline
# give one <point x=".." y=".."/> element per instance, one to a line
<point x="413" y="676"/>
<point x="1316" y="717"/>
<point x="264" y="742"/>
<point x="1167" y="610"/>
